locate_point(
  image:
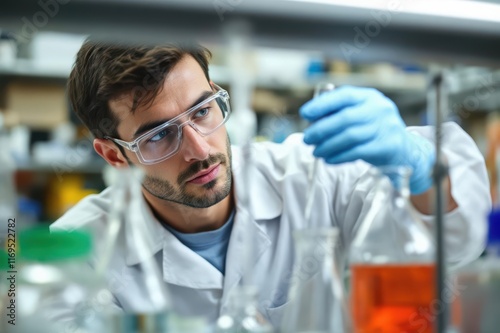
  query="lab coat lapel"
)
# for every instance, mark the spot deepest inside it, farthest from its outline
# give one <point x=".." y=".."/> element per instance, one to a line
<point x="180" y="265"/>
<point x="183" y="267"/>
<point x="244" y="228"/>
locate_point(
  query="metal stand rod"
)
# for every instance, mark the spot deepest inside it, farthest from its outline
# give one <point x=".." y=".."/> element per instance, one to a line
<point x="439" y="173"/>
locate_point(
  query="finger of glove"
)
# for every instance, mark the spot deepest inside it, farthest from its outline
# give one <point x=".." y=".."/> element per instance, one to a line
<point x="353" y="116"/>
<point x="347" y="139"/>
<point x="422" y="159"/>
<point x="371" y="152"/>
<point x="334" y="101"/>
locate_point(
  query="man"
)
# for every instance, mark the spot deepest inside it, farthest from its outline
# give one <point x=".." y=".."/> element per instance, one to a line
<point x="156" y="108"/>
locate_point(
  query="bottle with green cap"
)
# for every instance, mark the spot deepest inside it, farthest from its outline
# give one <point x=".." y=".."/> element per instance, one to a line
<point x="56" y="289"/>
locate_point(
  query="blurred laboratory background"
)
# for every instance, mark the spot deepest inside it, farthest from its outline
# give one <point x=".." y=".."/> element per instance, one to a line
<point x="268" y="55"/>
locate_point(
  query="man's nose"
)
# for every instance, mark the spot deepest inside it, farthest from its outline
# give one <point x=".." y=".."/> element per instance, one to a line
<point x="194" y="146"/>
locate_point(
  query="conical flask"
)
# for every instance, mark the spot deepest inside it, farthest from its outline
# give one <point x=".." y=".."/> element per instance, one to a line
<point x="392" y="261"/>
<point x="315" y="295"/>
<point x="126" y="223"/>
<point x="242" y="315"/>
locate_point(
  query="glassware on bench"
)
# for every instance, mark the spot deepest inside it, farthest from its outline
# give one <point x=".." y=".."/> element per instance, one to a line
<point x="315" y="299"/>
<point x="392" y="260"/>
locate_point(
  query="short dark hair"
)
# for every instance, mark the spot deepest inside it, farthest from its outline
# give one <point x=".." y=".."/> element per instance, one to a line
<point x="104" y="71"/>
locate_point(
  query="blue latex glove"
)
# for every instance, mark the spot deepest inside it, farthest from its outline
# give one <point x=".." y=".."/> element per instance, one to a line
<point x="351" y="123"/>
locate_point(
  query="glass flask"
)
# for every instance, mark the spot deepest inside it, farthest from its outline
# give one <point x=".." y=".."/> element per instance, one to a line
<point x="476" y="295"/>
<point x="316" y="302"/>
<point x="392" y="261"/>
<point x="56" y="289"/>
<point x="126" y="221"/>
<point x="242" y="315"/>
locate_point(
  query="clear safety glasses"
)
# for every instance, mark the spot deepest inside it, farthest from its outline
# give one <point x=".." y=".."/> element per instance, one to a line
<point x="164" y="141"/>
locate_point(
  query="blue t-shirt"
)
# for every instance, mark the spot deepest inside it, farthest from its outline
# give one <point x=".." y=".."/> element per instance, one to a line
<point x="210" y="245"/>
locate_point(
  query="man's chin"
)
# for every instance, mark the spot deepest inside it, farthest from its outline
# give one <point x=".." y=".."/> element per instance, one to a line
<point x="206" y="195"/>
<point x="205" y="201"/>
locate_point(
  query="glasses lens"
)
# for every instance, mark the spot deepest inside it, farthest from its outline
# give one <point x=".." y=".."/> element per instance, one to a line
<point x="160" y="143"/>
<point x="211" y="115"/>
<point x="165" y="141"/>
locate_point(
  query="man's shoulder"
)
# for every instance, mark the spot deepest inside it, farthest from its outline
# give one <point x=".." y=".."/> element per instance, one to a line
<point x="90" y="212"/>
<point x="293" y="141"/>
<point x="292" y="147"/>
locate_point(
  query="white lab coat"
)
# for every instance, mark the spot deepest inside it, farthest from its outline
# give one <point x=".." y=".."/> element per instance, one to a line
<point x="279" y="186"/>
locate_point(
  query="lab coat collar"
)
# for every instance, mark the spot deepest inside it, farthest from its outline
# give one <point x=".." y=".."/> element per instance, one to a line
<point x="184" y="267"/>
<point x="180" y="265"/>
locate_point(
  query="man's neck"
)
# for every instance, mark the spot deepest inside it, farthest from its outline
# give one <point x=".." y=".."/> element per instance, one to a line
<point x="188" y="219"/>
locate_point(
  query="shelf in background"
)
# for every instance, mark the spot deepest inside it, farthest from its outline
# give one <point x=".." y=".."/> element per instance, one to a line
<point x="93" y="167"/>
<point x="28" y="68"/>
<point x="393" y="82"/>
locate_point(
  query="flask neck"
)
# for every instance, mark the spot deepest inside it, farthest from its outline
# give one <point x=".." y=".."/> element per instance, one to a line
<point x="390" y="231"/>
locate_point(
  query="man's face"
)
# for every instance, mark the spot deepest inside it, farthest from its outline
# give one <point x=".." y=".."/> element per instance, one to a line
<point x="199" y="174"/>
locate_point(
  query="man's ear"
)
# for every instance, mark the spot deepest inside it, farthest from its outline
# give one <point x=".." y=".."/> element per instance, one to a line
<point x="110" y="152"/>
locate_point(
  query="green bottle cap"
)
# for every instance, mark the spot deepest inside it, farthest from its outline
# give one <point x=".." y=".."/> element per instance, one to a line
<point x="41" y="245"/>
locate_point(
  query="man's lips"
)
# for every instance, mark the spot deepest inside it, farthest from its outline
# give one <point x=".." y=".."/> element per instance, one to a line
<point x="204" y="176"/>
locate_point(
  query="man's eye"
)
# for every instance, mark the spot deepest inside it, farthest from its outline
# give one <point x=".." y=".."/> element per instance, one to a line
<point x="159" y="136"/>
<point x="202" y="113"/>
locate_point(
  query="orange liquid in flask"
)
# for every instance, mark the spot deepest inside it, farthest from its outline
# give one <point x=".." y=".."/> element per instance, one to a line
<point x="394" y="298"/>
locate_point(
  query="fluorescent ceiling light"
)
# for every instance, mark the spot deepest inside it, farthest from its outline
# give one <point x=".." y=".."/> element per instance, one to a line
<point x="470" y="10"/>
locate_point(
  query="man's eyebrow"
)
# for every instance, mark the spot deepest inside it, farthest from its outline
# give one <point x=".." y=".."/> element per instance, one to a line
<point x="152" y="124"/>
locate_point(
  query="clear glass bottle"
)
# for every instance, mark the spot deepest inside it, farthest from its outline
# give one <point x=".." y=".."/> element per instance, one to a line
<point x="392" y="260"/>
<point x="242" y="315"/>
<point x="316" y="302"/>
<point x="56" y="289"/>
<point x="476" y="296"/>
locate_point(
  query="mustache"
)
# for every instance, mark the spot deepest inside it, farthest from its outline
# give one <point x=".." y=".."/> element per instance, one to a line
<point x="200" y="165"/>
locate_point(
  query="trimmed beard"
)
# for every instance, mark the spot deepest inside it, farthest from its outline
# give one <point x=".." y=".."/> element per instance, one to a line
<point x="164" y="190"/>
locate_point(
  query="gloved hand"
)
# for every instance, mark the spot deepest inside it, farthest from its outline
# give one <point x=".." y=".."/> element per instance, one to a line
<point x="351" y="123"/>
